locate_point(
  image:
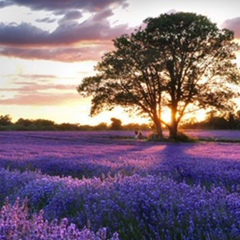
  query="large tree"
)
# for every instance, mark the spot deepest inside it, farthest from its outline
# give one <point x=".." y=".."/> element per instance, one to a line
<point x="199" y="69"/>
<point x="178" y="61"/>
<point x="130" y="77"/>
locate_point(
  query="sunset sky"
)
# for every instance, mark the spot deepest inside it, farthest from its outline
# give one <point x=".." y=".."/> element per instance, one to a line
<point x="48" y="47"/>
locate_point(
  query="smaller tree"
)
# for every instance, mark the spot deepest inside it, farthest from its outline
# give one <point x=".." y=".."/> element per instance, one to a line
<point x="24" y="122"/>
<point x="101" y="126"/>
<point x="116" y="124"/>
<point x="5" y="120"/>
<point x="44" y="124"/>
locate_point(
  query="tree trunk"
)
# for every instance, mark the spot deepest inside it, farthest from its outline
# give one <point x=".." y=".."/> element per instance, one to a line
<point x="158" y="127"/>
<point x="173" y="129"/>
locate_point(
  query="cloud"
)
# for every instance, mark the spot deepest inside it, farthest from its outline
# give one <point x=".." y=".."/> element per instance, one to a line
<point x="88" y="5"/>
<point x="35" y="76"/>
<point x="22" y="34"/>
<point x="68" y="33"/>
<point x="103" y="15"/>
<point x="92" y="51"/>
<point x="24" y="87"/>
<point x="39" y="94"/>
<point x="233" y="24"/>
<point x="72" y="40"/>
<point x="27" y="41"/>
<point x="46" y="20"/>
<point x="5" y="3"/>
<point x="41" y="99"/>
<point x="70" y="16"/>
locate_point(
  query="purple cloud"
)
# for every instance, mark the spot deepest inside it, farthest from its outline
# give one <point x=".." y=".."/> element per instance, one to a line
<point x="87" y="5"/>
<point x="72" y="15"/>
<point x="22" y="34"/>
<point x="67" y="33"/>
<point x="101" y="16"/>
<point x="5" y="3"/>
<point x="46" y="20"/>
<point x="27" y="41"/>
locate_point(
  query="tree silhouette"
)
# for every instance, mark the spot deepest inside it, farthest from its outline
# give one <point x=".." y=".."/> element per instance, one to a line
<point x="5" y="120"/>
<point x="198" y="63"/>
<point x="116" y="124"/>
<point x="179" y="61"/>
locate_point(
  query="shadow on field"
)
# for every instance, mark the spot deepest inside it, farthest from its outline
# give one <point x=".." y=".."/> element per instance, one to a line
<point x="80" y="154"/>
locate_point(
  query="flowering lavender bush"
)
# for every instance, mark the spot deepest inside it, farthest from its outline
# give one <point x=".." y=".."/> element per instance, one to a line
<point x="141" y="190"/>
<point x="10" y="182"/>
<point x="15" y="224"/>
<point x="151" y="207"/>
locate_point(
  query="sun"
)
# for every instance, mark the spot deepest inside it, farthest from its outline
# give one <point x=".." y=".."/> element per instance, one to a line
<point x="196" y="116"/>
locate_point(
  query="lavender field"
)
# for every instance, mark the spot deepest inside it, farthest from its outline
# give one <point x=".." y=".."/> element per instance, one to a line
<point x="106" y="185"/>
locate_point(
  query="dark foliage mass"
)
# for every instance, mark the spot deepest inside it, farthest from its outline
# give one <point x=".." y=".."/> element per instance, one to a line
<point x="47" y="125"/>
<point x="225" y="121"/>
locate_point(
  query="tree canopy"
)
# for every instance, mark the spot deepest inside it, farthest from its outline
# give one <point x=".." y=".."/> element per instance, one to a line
<point x="180" y="61"/>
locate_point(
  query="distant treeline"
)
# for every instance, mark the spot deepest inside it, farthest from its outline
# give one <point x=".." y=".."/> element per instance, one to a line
<point x="48" y="125"/>
<point x="213" y="121"/>
<point x="227" y="121"/>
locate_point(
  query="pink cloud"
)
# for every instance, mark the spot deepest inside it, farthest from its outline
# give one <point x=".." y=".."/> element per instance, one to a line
<point x="38" y="87"/>
<point x="38" y="93"/>
<point x="93" y="51"/>
<point x="41" y="99"/>
<point x="35" y="76"/>
<point x="26" y="87"/>
<point x="234" y="25"/>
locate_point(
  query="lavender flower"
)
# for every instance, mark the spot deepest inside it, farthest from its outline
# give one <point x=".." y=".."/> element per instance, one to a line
<point x="15" y="224"/>
<point x="140" y="190"/>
